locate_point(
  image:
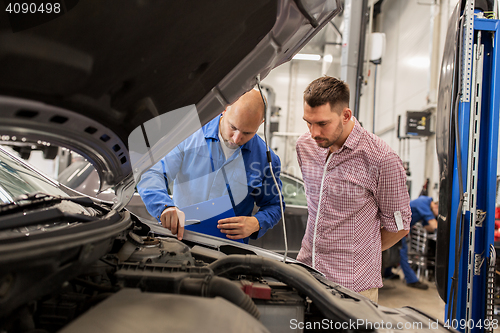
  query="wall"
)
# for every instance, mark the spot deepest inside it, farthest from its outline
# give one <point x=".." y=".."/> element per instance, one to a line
<point x="289" y="82"/>
<point x="414" y="38"/>
<point x="407" y="80"/>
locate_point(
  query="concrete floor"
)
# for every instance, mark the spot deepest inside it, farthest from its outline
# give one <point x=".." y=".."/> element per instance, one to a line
<point x="395" y="294"/>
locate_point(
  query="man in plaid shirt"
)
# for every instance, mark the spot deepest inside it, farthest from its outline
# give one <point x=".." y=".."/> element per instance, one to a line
<point x="357" y="199"/>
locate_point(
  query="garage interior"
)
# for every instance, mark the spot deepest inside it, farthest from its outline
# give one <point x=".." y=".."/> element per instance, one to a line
<point x="394" y="79"/>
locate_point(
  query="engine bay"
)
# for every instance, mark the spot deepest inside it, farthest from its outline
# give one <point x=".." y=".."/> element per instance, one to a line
<point x="153" y="266"/>
<point x="127" y="277"/>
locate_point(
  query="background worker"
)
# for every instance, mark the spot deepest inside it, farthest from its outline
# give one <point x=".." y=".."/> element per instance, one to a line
<point x="425" y="211"/>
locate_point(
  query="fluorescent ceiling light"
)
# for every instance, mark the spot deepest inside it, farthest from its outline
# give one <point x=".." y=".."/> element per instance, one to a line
<point x="328" y="58"/>
<point x="302" y="56"/>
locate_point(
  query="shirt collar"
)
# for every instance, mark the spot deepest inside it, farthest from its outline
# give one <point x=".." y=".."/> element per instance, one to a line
<point x="211" y="131"/>
<point x="248" y="146"/>
<point x="354" y="137"/>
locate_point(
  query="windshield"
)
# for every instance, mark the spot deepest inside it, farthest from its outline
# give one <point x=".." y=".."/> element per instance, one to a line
<point x="216" y="173"/>
<point x="17" y="179"/>
<point x="293" y="191"/>
<point x="74" y="175"/>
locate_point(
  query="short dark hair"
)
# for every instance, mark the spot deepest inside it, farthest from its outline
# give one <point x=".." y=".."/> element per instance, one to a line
<point x="327" y="89"/>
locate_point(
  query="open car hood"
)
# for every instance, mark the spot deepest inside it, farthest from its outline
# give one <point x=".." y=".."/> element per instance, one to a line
<point x="90" y="77"/>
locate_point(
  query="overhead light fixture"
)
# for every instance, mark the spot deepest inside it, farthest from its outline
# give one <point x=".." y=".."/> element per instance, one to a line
<point x="303" y="56"/>
<point x="328" y="58"/>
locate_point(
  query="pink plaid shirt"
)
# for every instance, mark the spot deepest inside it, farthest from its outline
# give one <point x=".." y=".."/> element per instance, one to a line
<point x="363" y="190"/>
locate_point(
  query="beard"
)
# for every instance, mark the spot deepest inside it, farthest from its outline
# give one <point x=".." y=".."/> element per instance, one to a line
<point x="328" y="142"/>
<point x="325" y="143"/>
<point x="227" y="143"/>
<point x="230" y="145"/>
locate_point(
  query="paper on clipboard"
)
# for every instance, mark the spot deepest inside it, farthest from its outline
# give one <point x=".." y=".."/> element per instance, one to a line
<point x="209" y="213"/>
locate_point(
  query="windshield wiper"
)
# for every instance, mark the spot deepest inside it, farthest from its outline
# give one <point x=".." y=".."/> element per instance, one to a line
<point x="46" y="216"/>
<point x="33" y="200"/>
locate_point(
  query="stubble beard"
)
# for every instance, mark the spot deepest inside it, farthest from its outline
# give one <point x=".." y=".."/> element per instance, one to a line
<point x="328" y="143"/>
<point x="230" y="144"/>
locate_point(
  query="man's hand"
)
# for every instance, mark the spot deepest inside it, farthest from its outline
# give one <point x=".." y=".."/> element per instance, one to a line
<point x="173" y="219"/>
<point x="238" y="227"/>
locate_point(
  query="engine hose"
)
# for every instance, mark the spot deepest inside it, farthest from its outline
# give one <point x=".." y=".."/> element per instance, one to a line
<point x="213" y="286"/>
<point x="331" y="307"/>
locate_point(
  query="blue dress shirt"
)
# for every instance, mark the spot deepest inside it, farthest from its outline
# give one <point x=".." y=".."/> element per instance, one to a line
<point x="197" y="171"/>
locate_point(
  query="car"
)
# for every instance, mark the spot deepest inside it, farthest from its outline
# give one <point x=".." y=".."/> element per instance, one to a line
<point x="122" y="83"/>
<point x="73" y="264"/>
<point x="82" y="177"/>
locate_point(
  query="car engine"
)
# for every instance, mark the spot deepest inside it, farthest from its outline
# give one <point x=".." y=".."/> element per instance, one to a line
<point x="115" y="274"/>
<point x="138" y="269"/>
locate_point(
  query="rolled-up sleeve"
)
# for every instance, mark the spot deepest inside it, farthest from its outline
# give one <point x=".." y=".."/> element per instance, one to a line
<point x="154" y="184"/>
<point x="392" y="194"/>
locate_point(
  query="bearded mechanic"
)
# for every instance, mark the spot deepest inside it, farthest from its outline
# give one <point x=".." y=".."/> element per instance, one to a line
<point x="224" y="157"/>
<point x="357" y="199"/>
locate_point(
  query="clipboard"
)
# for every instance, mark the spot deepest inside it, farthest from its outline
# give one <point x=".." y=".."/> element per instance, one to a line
<point x="208" y="213"/>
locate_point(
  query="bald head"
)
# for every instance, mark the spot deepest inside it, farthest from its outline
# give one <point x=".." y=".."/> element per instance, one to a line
<point x="250" y="104"/>
<point x="241" y="120"/>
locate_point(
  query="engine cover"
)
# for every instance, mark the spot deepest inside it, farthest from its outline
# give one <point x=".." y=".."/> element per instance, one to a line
<point x="132" y="311"/>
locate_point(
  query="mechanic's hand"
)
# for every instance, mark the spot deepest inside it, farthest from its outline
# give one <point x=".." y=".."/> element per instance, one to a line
<point x="238" y="227"/>
<point x="173" y="219"/>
